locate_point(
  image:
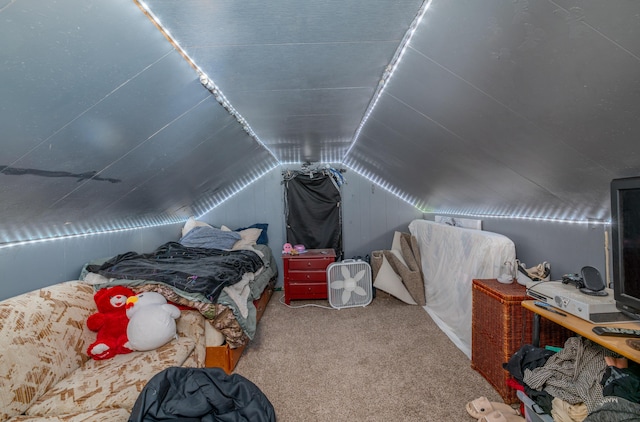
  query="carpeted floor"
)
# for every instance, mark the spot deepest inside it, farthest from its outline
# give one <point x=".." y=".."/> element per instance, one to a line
<point x="384" y="362"/>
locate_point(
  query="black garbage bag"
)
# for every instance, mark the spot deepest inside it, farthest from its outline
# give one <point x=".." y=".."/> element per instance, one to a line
<point x="201" y="394"/>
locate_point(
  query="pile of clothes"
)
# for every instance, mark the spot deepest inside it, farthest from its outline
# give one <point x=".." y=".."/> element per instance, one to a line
<point x="581" y="382"/>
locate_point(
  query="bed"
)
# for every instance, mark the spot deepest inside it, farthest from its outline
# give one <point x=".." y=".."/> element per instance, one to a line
<point x="227" y="275"/>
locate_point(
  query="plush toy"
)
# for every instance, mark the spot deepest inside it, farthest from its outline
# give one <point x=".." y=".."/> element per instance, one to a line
<point x="110" y="322"/>
<point x="151" y="321"/>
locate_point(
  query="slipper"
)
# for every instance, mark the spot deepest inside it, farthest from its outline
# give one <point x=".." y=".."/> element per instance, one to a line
<point x="498" y="416"/>
<point x="482" y="406"/>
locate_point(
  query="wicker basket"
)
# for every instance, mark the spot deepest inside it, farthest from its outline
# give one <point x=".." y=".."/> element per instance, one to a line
<point x="500" y="326"/>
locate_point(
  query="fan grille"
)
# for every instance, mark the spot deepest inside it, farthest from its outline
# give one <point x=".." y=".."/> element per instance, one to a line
<point x="349" y="284"/>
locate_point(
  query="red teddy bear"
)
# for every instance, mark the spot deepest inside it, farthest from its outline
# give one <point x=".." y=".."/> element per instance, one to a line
<point x="110" y="322"/>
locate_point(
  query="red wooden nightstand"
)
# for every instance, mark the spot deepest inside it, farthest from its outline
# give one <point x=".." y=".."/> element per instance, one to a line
<point x="305" y="275"/>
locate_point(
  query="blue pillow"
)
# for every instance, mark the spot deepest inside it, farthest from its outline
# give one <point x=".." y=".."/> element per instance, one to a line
<point x="210" y="237"/>
<point x="264" y="238"/>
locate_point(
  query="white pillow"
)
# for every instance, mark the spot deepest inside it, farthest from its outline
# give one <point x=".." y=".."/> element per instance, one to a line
<point x="387" y="280"/>
<point x="248" y="238"/>
<point x="192" y="223"/>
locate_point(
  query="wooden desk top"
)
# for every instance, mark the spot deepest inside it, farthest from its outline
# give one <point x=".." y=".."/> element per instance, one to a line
<point x="583" y="328"/>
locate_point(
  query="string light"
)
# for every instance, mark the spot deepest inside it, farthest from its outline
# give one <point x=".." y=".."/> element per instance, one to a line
<point x="205" y="80"/>
<point x="51" y="238"/>
<point x="389" y="71"/>
<point x="521" y="217"/>
<point x="384" y="185"/>
<point x="208" y="83"/>
<point x="223" y="197"/>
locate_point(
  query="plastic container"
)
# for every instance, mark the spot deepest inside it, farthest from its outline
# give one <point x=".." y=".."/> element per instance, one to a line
<point x="533" y="412"/>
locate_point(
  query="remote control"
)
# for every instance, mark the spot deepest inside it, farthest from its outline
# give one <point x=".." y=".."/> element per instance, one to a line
<point x="548" y="307"/>
<point x="615" y="331"/>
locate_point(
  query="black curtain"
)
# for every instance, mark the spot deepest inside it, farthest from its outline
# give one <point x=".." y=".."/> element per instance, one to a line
<point x="313" y="214"/>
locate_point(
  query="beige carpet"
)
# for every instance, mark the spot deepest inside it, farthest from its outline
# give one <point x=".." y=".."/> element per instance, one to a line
<point x="384" y="362"/>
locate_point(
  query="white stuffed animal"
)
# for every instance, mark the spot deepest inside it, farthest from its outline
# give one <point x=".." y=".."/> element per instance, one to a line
<point x="151" y="321"/>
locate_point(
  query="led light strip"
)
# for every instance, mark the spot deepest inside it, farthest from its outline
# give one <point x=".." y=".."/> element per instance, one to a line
<point x="387" y="75"/>
<point x="527" y="218"/>
<point x="386" y="186"/>
<point x="240" y="187"/>
<point x="205" y="80"/>
<point x="419" y="205"/>
<point x="389" y="71"/>
<point x="85" y="234"/>
<point x="159" y="222"/>
<point x="220" y="98"/>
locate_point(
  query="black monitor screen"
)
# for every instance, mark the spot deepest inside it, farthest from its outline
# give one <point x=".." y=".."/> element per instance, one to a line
<point x="630" y="240"/>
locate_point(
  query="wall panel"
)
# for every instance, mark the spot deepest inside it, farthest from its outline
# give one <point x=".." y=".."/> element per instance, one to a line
<point x="32" y="266"/>
<point x="370" y="214"/>
<point x="370" y="217"/>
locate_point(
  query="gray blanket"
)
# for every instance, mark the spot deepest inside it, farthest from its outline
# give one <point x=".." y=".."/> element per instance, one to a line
<point x="193" y="270"/>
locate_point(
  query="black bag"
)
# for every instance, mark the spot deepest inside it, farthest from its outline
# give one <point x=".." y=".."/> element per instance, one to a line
<point x="201" y="394"/>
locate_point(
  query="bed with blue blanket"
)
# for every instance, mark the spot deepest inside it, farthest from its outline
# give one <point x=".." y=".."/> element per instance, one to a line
<point x="227" y="275"/>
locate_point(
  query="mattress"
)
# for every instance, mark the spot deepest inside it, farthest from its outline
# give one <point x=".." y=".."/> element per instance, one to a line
<point x="234" y="315"/>
<point x="451" y="257"/>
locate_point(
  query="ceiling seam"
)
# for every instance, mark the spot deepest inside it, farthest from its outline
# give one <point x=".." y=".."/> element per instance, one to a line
<point x="85" y="111"/>
<point x="600" y="33"/>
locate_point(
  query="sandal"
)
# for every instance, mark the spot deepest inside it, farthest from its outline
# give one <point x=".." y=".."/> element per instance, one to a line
<point x="482" y="406"/>
<point x="540" y="272"/>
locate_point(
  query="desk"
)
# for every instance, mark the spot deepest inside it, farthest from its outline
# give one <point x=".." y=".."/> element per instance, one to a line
<point x="583" y="328"/>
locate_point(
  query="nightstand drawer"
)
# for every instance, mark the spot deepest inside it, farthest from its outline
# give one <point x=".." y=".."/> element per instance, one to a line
<point x="307" y="290"/>
<point x="301" y="264"/>
<point x="303" y="276"/>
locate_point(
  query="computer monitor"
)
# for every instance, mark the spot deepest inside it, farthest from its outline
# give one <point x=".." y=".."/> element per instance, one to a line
<point x="625" y="247"/>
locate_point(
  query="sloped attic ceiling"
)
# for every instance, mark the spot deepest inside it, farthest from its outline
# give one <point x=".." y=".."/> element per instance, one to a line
<point x="519" y="108"/>
<point x="523" y="108"/>
<point x="105" y="125"/>
<point x="300" y="72"/>
<point x="514" y="108"/>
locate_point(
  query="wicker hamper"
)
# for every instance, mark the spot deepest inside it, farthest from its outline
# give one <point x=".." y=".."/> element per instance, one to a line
<point x="500" y="326"/>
